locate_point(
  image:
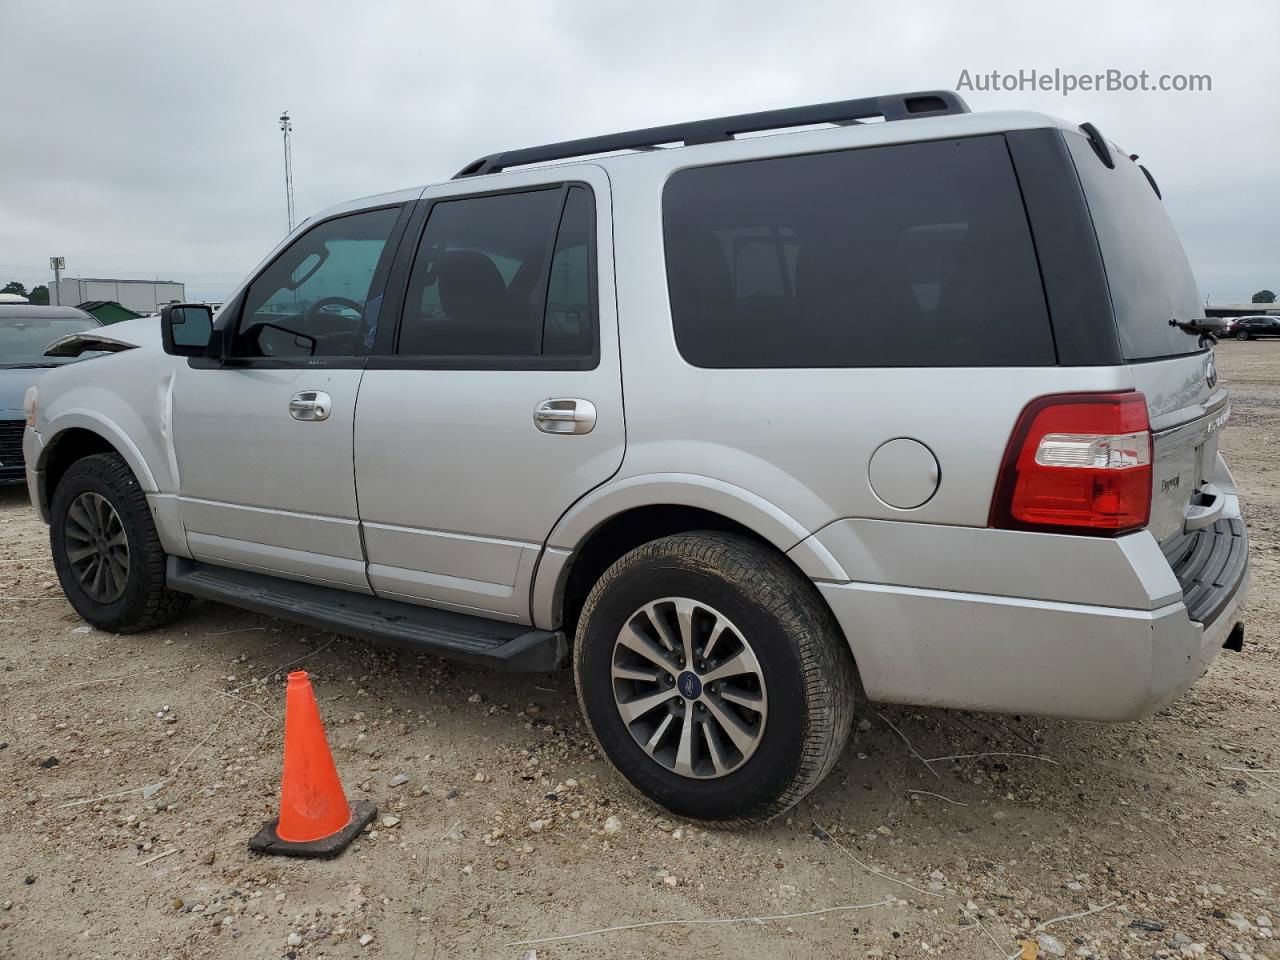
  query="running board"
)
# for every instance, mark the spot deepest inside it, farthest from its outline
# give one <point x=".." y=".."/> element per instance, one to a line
<point x="491" y="643"/>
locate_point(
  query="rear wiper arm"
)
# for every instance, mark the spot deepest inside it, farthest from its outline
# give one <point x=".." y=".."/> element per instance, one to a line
<point x="1206" y="328"/>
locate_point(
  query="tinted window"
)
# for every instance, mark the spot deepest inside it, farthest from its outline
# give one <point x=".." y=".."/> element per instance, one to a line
<point x="503" y="276"/>
<point x="1147" y="271"/>
<point x="23" y="340"/>
<point x="906" y="255"/>
<point x="569" y="325"/>
<point x="314" y="298"/>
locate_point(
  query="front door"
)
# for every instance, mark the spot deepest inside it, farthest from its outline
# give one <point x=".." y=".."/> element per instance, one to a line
<point x="499" y="402"/>
<point x="263" y="442"/>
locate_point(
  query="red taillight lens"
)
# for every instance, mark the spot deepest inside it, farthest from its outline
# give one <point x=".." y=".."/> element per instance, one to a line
<point x="1077" y="463"/>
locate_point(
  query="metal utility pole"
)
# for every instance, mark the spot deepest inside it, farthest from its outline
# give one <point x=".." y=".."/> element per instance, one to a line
<point x="286" y="127"/>
<point x="58" y="264"/>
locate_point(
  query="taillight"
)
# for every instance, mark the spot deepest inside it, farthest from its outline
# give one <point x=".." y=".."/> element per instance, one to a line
<point x="1077" y="463"/>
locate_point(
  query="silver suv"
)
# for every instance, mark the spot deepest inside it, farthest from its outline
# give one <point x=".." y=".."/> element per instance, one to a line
<point x="737" y="425"/>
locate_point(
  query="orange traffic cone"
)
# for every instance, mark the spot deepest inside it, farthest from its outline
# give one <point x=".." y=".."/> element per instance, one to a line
<point x="315" y="820"/>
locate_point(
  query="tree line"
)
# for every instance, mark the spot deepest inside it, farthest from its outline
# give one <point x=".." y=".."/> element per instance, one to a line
<point x="38" y="294"/>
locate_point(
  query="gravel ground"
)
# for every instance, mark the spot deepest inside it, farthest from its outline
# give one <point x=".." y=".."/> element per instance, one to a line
<point x="133" y="770"/>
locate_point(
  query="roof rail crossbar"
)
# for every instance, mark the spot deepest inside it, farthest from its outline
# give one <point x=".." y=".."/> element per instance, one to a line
<point x="896" y="106"/>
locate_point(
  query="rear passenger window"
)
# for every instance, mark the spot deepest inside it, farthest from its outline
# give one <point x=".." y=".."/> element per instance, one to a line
<point x="907" y="255"/>
<point x="569" y="326"/>
<point x="505" y="275"/>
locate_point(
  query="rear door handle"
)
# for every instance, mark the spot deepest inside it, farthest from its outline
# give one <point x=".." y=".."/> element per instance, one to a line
<point x="565" y="415"/>
<point x="310" y="405"/>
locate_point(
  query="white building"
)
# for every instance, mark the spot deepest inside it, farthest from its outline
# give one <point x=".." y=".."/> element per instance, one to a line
<point x="140" y="296"/>
<point x="1225" y="308"/>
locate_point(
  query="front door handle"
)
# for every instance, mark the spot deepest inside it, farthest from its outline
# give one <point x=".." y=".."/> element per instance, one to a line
<point x="565" y="415"/>
<point x="310" y="405"/>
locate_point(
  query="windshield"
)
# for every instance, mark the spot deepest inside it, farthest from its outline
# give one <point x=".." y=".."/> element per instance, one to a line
<point x="23" y="340"/>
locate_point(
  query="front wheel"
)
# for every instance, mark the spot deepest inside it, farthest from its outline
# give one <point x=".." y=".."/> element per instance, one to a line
<point x="1242" y="335"/>
<point x="713" y="677"/>
<point x="106" y="549"/>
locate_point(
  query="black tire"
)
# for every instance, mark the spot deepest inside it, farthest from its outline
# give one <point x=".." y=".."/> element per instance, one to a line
<point x="805" y="662"/>
<point x="144" y="602"/>
<point x="1242" y="335"/>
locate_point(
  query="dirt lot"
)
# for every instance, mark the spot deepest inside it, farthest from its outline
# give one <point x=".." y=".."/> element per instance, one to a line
<point x="499" y="833"/>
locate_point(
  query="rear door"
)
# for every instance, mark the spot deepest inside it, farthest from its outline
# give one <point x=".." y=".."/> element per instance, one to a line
<point x="497" y="401"/>
<point x="1151" y="284"/>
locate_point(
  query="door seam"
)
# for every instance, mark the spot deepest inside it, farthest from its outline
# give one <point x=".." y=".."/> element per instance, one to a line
<point x="355" y="482"/>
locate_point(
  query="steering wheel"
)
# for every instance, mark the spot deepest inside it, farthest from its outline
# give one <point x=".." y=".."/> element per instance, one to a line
<point x="319" y="305"/>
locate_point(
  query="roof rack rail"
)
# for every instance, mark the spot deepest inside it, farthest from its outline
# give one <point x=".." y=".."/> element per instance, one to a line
<point x="894" y="106"/>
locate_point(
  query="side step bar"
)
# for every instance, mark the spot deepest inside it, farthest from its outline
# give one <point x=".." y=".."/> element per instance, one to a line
<point x="490" y="643"/>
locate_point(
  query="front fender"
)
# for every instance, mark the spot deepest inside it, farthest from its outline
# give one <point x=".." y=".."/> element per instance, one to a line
<point x="64" y="428"/>
<point x="126" y="399"/>
<point x="56" y="431"/>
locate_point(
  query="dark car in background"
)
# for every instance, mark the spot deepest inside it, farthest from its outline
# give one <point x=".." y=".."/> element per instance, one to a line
<point x="26" y="331"/>
<point x="1247" y="328"/>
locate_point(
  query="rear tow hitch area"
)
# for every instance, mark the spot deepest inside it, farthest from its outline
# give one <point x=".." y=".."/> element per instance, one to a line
<point x="1235" y="639"/>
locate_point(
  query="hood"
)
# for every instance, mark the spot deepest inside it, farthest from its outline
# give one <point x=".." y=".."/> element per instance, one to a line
<point x="13" y="385"/>
<point x="141" y="332"/>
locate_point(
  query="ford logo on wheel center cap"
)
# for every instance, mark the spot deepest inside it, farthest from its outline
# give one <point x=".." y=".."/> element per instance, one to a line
<point x="689" y="685"/>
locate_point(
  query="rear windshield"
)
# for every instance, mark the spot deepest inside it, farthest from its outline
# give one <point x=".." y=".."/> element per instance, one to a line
<point x="1148" y="273"/>
<point x="898" y="256"/>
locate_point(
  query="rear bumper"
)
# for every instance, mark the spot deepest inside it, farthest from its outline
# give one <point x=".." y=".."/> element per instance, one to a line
<point x="1010" y="655"/>
<point x="1100" y="629"/>
<point x="1209" y="563"/>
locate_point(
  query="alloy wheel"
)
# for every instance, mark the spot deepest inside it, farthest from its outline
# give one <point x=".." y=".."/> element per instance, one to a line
<point x="689" y="688"/>
<point x="97" y="547"/>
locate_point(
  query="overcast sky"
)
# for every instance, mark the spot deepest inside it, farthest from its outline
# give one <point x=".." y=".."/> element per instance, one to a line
<point x="140" y="139"/>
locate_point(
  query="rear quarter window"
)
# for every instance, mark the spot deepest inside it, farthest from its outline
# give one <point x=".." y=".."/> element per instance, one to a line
<point x="1147" y="271"/>
<point x="897" y="256"/>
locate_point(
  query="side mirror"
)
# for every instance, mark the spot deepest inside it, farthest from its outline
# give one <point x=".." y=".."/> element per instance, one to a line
<point x="186" y="328"/>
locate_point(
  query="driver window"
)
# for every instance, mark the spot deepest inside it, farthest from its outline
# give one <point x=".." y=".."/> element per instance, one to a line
<point x="312" y="300"/>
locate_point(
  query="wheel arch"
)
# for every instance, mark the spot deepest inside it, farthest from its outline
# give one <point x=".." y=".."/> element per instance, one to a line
<point x="80" y="435"/>
<point x="611" y="521"/>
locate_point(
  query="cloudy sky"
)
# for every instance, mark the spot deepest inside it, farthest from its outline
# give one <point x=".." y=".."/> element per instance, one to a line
<point x="140" y="139"/>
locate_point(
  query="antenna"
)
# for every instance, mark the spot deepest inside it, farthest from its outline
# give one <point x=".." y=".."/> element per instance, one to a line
<point x="286" y="127"/>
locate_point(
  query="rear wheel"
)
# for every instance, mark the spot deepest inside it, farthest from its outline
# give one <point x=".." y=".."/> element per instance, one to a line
<point x="106" y="549"/>
<point x="713" y="677"/>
